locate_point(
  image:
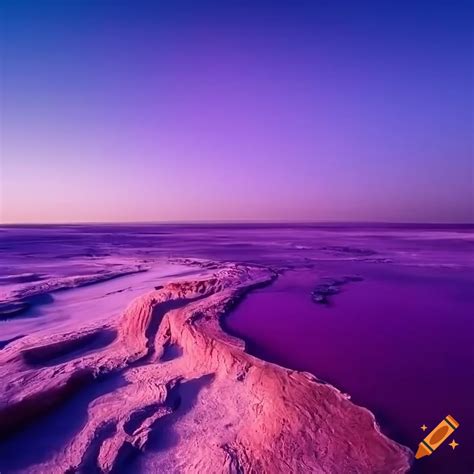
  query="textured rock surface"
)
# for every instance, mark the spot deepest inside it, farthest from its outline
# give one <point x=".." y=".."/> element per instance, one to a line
<point x="16" y="301"/>
<point x="172" y="392"/>
<point x="331" y="286"/>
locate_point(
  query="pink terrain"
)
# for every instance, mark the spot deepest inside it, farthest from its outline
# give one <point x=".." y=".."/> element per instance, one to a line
<point x="163" y="388"/>
<point x="161" y="348"/>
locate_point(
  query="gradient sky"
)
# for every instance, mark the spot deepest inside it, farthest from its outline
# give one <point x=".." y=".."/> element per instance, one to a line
<point x="250" y="110"/>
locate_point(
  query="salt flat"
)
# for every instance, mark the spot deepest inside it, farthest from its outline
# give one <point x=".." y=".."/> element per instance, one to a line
<point x="121" y="326"/>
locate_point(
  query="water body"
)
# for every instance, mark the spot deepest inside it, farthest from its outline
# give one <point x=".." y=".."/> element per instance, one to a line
<point x="400" y="341"/>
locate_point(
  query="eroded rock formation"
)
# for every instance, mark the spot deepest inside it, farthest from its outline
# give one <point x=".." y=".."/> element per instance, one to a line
<point x="167" y="390"/>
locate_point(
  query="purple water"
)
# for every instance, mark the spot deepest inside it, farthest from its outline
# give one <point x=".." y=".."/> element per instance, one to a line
<point x="400" y="341"/>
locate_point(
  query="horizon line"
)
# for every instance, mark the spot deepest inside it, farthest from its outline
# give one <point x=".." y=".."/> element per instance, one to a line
<point x="234" y="222"/>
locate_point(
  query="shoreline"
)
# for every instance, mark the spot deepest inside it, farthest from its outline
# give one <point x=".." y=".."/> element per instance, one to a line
<point x="178" y="365"/>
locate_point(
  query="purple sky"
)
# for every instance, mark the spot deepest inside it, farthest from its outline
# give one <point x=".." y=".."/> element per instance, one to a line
<point x="250" y="110"/>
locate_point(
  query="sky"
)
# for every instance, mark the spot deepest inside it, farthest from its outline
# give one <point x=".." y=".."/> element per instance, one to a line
<point x="134" y="111"/>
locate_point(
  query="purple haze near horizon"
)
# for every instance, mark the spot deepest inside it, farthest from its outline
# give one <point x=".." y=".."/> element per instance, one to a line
<point x="139" y="111"/>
